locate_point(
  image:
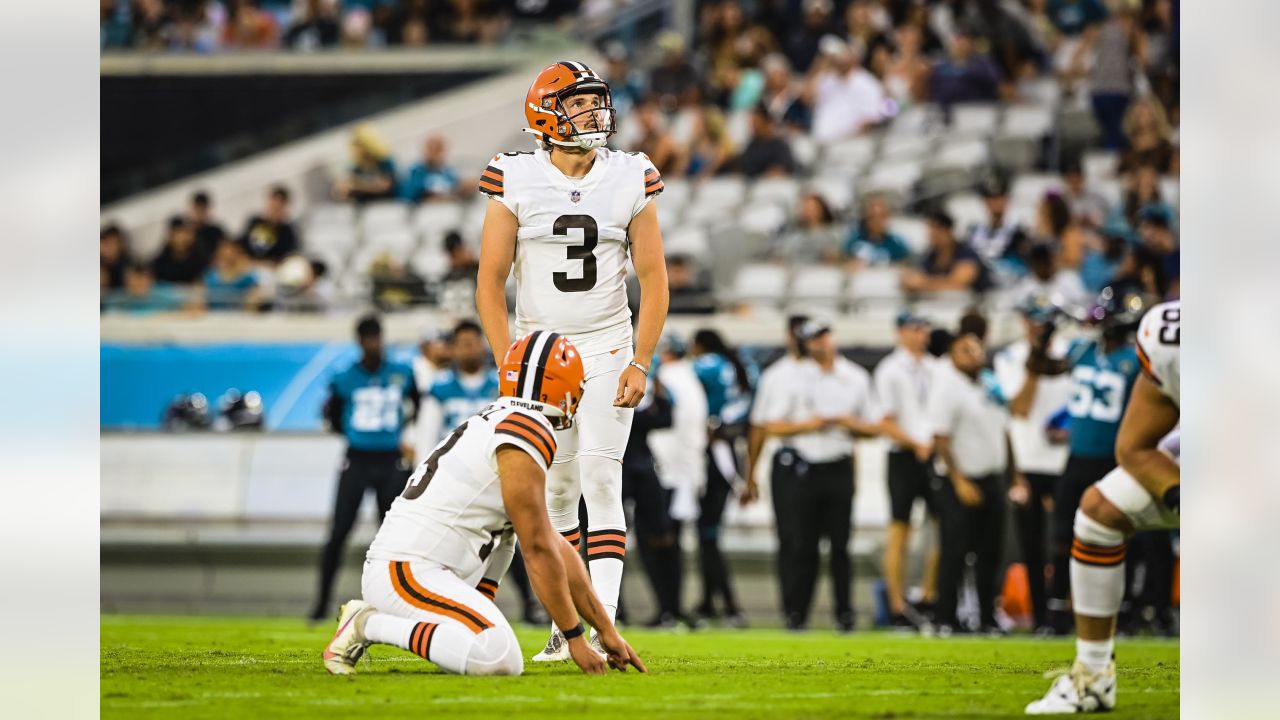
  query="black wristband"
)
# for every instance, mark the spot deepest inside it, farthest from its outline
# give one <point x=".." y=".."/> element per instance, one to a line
<point x="574" y="632"/>
<point x="1172" y="498"/>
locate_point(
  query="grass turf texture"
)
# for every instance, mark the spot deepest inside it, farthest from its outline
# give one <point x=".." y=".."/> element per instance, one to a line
<point x="179" y="667"/>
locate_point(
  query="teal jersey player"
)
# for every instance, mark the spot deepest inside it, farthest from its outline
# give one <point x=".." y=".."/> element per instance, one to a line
<point x="1102" y="383"/>
<point x="462" y="395"/>
<point x="372" y="403"/>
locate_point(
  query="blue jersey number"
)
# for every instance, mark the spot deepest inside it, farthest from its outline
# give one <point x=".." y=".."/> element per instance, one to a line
<point x="1099" y="394"/>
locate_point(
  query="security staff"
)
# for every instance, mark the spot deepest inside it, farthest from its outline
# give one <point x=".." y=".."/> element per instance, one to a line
<point x="370" y="403"/>
<point x="778" y="384"/>
<point x="902" y="382"/>
<point x="656" y="531"/>
<point x="969" y="425"/>
<point x="833" y="402"/>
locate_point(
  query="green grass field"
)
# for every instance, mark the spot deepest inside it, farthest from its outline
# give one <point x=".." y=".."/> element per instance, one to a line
<point x="180" y="667"/>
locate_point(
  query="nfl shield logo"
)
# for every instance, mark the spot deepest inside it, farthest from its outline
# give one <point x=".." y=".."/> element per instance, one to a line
<point x="575" y="196"/>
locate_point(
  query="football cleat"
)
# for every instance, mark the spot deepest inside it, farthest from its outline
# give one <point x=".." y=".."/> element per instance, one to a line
<point x="1078" y="691"/>
<point x="557" y="649"/>
<point x="348" y="643"/>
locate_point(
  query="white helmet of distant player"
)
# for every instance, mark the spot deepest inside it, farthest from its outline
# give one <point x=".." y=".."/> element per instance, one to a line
<point x="569" y="105"/>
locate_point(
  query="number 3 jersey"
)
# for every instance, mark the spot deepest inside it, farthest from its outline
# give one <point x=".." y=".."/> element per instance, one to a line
<point x="451" y="511"/>
<point x="572" y="245"/>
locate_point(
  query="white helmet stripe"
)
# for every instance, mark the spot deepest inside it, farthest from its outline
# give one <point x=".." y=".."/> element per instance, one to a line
<point x="539" y="343"/>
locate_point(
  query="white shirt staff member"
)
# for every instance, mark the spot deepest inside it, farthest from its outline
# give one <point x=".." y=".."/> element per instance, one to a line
<point x="833" y="403"/>
<point x="970" y="443"/>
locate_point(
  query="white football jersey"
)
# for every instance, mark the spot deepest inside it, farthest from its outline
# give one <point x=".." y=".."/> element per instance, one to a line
<point x="572" y="246"/>
<point x="451" y="511"/>
<point x="1159" y="335"/>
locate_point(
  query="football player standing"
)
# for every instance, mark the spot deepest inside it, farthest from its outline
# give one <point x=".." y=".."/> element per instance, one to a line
<point x="567" y="217"/>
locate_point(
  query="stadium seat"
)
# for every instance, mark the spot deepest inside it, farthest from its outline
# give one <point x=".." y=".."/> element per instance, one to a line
<point x="875" y="285"/>
<point x="804" y="150"/>
<point x="905" y="147"/>
<point x="1045" y="92"/>
<point x="384" y="215"/>
<point x="399" y="242"/>
<point x="331" y="237"/>
<point x="761" y="284"/>
<point x="473" y="221"/>
<point x="764" y="220"/>
<point x="334" y="259"/>
<point x="837" y="190"/>
<point x="894" y="178"/>
<point x="914" y="121"/>
<point x="332" y="215"/>
<point x="434" y="219"/>
<point x="1111" y="190"/>
<point x="1099" y="165"/>
<point x="430" y="263"/>
<point x="964" y="154"/>
<point x="849" y="156"/>
<point x="674" y="198"/>
<point x="974" y="119"/>
<point x="1031" y="187"/>
<point x="722" y="192"/>
<point x="1027" y="121"/>
<point x="914" y="232"/>
<point x="818" y="284"/>
<point x="966" y="209"/>
<point x="689" y="240"/>
<point x="783" y="192"/>
<point x="1169" y="190"/>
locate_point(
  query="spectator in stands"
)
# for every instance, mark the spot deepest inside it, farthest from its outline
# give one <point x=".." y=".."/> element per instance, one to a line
<point x="315" y="25"/>
<point x="180" y="260"/>
<point x="1116" y="46"/>
<point x="1143" y="191"/>
<point x="142" y="294"/>
<point x="113" y="257"/>
<point x="270" y="236"/>
<point x="1155" y="230"/>
<point x="200" y="217"/>
<point x="248" y="27"/>
<point x="711" y="150"/>
<point x="993" y="238"/>
<point x="965" y="75"/>
<point x="814" y="236"/>
<point x="113" y="24"/>
<point x="654" y="139"/>
<point x="433" y="178"/>
<point x="1104" y="261"/>
<point x="871" y="242"/>
<point x="1071" y="17"/>
<point x="395" y="284"/>
<point x="373" y="172"/>
<point x="232" y="282"/>
<point x="845" y="97"/>
<point x="626" y="84"/>
<point x="152" y="25"/>
<point x="1005" y="29"/>
<point x="690" y="288"/>
<point x="472" y="21"/>
<point x="674" y="76"/>
<point x="1055" y="224"/>
<point x="1087" y="206"/>
<point x="767" y="154"/>
<point x="781" y="95"/>
<point x="1049" y="279"/>
<point x="949" y="265"/>
<point x="303" y="285"/>
<point x="864" y="24"/>
<point x="802" y="42"/>
<point x="906" y="74"/>
<point x="1147" y="136"/>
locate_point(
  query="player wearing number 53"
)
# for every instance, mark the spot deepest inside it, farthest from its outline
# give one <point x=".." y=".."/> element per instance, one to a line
<point x="567" y="217"/>
<point x="370" y="403"/>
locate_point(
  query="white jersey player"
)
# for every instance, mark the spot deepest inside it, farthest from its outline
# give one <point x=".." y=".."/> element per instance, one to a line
<point x="567" y="217"/>
<point x="1141" y="494"/>
<point x="433" y="569"/>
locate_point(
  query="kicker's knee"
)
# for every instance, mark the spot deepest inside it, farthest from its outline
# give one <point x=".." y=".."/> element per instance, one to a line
<point x="495" y="652"/>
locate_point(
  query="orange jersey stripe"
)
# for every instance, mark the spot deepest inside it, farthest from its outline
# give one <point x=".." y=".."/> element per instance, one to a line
<point x="540" y="438"/>
<point x="488" y="187"/>
<point x="1097" y="549"/>
<point x="534" y="425"/>
<point x="416" y="595"/>
<point x="528" y="438"/>
<point x="495" y="179"/>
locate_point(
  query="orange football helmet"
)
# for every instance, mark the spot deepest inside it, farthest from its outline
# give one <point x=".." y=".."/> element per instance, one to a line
<point x="544" y="369"/>
<point x="549" y="119"/>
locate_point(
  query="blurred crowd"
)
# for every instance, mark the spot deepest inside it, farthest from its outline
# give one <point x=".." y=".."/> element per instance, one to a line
<point x="826" y="101"/>
<point x="206" y="26"/>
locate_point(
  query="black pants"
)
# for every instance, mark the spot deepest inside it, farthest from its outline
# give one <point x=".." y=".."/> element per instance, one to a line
<point x="908" y="479"/>
<point x="967" y="529"/>
<point x="1033" y="523"/>
<point x="379" y="471"/>
<point x="782" y="489"/>
<point x="823" y="508"/>
<point x="711" y="561"/>
<point x="1080" y="473"/>
<point x="657" y="534"/>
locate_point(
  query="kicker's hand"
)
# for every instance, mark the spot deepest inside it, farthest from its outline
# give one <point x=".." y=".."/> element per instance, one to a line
<point x="620" y="653"/>
<point x="630" y="387"/>
<point x="591" y="662"/>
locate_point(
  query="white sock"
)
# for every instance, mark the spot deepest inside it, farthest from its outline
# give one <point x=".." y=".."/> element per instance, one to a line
<point x="1095" y="654"/>
<point x="607" y="527"/>
<point x="389" y="630"/>
<point x="606" y="548"/>
<point x="1097" y="568"/>
<point x="444" y="644"/>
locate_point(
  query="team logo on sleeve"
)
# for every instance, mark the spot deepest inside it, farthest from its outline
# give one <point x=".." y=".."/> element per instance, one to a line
<point x="575" y="197"/>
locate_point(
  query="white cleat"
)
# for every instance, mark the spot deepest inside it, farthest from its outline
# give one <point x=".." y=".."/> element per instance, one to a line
<point x="557" y="649"/>
<point x="1078" y="691"/>
<point x="348" y="643"/>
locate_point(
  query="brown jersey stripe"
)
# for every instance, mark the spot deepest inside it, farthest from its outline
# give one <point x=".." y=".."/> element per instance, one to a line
<point x="489" y="188"/>
<point x="411" y="591"/>
<point x="608" y="532"/>
<point x="514" y="431"/>
<point x="532" y="424"/>
<point x="1146" y="364"/>
<point x="494" y="179"/>
<point x="650" y="191"/>
<point x="1098" y="549"/>
<point x="415" y="638"/>
<point x="495" y="170"/>
<point x="610" y="542"/>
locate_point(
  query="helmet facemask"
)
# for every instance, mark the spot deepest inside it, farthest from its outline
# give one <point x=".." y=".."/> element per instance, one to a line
<point x="585" y="127"/>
